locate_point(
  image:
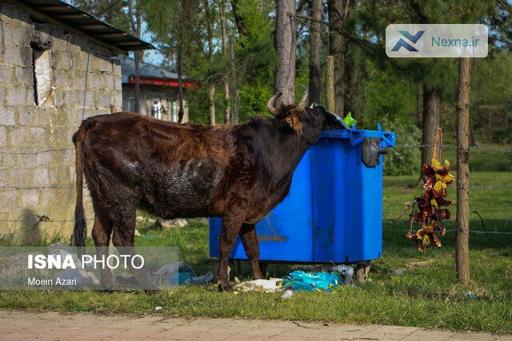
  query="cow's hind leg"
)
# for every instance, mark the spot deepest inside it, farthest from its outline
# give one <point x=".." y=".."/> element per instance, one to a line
<point x="101" y="233"/>
<point x="124" y="241"/>
<point x="252" y="249"/>
<point x="230" y="230"/>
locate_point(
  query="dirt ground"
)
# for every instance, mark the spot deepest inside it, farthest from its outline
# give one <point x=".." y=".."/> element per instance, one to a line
<point x="18" y="325"/>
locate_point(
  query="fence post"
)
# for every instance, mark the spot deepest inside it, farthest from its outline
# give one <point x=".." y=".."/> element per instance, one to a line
<point x="330" y="83"/>
<point x="462" y="252"/>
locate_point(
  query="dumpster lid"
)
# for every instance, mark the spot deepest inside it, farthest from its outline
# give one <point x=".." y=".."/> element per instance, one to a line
<point x="357" y="136"/>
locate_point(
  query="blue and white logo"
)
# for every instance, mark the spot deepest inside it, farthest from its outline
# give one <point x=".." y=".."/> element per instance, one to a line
<point x="411" y="38"/>
<point x="436" y="41"/>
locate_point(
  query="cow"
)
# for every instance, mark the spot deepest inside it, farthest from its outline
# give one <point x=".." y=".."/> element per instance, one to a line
<point x="238" y="172"/>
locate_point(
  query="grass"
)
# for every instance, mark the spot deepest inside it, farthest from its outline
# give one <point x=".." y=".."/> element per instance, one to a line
<point x="425" y="295"/>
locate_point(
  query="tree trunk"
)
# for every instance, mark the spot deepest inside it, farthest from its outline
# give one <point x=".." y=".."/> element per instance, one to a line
<point x="233" y="82"/>
<point x="181" y="111"/>
<point x="337" y="16"/>
<point x="211" y="101"/>
<point x="285" y="47"/>
<point x="135" y="17"/>
<point x="315" y="46"/>
<point x="329" y="80"/>
<point x="239" y="21"/>
<point x="227" y="101"/>
<point x="211" y="84"/>
<point x="431" y="103"/>
<point x="462" y="222"/>
<point x="419" y="104"/>
<point x="137" y="82"/>
<point x="354" y="90"/>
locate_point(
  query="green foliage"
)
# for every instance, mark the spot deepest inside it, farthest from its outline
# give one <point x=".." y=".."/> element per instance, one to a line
<point x="404" y="158"/>
<point x="389" y="94"/>
<point x="502" y="136"/>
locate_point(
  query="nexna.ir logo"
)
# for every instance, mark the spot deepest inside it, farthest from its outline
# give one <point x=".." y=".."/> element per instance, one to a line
<point x="412" y="38"/>
<point x="436" y="40"/>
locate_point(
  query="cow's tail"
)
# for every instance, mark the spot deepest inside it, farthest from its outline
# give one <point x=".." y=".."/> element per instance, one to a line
<point x="80" y="229"/>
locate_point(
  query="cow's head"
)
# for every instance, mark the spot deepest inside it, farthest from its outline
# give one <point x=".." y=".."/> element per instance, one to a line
<point x="303" y="120"/>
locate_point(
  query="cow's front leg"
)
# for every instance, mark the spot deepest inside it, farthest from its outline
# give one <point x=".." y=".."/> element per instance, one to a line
<point x="230" y="229"/>
<point x="252" y="249"/>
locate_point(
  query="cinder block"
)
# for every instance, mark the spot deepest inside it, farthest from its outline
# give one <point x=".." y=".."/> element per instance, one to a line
<point x="27" y="160"/>
<point x="103" y="100"/>
<point x="53" y="175"/>
<point x="101" y="65"/>
<point x="26" y="116"/>
<point x="17" y="136"/>
<point x="8" y="160"/>
<point x="8" y="116"/>
<point x="4" y="177"/>
<point x="37" y="135"/>
<point x="20" y="177"/>
<point x="3" y="136"/>
<point x="44" y="159"/>
<point x="6" y="73"/>
<point x="24" y="76"/>
<point x="17" y="33"/>
<point x="118" y="99"/>
<point x="118" y="86"/>
<point x="9" y="199"/>
<point x="79" y="82"/>
<point x="16" y="96"/>
<point x="96" y="80"/>
<point x="30" y="198"/>
<point x="40" y="177"/>
<point x="18" y="55"/>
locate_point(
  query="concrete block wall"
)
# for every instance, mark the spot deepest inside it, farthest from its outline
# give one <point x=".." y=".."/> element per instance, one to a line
<point x="37" y="173"/>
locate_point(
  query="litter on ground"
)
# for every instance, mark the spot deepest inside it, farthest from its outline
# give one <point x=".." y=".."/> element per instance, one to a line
<point x="260" y="285"/>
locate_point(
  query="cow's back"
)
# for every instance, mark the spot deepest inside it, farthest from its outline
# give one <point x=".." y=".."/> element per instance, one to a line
<point x="169" y="169"/>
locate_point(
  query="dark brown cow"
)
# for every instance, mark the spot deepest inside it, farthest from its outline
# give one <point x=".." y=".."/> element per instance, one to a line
<point x="174" y="170"/>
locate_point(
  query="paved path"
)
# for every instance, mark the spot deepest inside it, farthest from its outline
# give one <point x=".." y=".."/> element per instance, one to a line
<point x="17" y="325"/>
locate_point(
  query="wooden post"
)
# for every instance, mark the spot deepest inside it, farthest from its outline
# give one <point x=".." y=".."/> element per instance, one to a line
<point x="438" y="145"/>
<point x="330" y="84"/>
<point x="462" y="252"/>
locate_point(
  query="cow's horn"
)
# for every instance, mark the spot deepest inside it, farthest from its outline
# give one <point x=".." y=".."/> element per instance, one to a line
<point x="303" y="101"/>
<point x="272" y="102"/>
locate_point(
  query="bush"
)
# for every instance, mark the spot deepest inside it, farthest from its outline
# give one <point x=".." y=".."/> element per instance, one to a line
<point x="502" y="136"/>
<point x="404" y="158"/>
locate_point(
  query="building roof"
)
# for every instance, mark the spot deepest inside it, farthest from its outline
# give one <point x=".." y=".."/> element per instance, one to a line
<point x="146" y="70"/>
<point x="151" y="75"/>
<point x="88" y="23"/>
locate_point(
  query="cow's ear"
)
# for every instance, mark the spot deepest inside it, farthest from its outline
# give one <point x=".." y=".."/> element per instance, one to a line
<point x="294" y="122"/>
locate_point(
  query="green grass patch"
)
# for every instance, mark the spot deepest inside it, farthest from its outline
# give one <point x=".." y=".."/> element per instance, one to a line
<point x="425" y="295"/>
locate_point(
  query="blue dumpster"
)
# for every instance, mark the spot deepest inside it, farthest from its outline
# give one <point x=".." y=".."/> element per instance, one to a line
<point x="333" y="212"/>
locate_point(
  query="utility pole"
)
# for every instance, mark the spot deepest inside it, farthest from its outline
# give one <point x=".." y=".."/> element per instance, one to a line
<point x="462" y="252"/>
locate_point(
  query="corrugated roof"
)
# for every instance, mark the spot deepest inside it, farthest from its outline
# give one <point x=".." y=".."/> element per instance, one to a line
<point x="146" y="70"/>
<point x="88" y="23"/>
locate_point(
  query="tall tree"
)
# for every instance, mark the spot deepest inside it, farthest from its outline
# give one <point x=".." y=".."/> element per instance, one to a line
<point x="224" y="42"/>
<point x="135" y="16"/>
<point x="431" y="104"/>
<point x="285" y="47"/>
<point x="211" y="84"/>
<point x="315" y="47"/>
<point x="233" y="82"/>
<point x="338" y="14"/>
